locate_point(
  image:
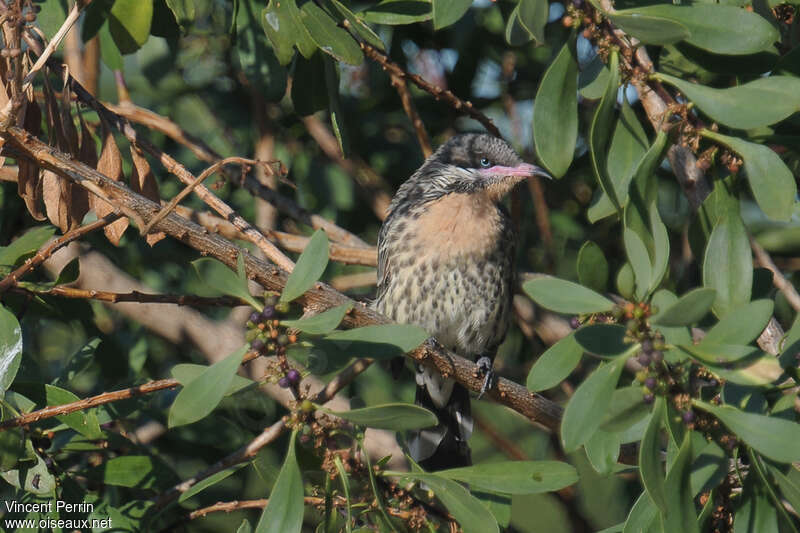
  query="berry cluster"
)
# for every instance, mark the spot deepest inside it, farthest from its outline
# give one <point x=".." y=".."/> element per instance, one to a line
<point x="267" y="336"/>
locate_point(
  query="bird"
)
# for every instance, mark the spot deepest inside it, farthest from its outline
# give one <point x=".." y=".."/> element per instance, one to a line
<point x="446" y="263"/>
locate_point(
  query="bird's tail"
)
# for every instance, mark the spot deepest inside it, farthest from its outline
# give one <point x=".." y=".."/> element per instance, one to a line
<point x="444" y="445"/>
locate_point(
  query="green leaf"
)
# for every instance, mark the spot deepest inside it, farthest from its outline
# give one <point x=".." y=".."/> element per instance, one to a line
<point x="766" y="434"/>
<point x="555" y="110"/>
<point x="209" y="481"/>
<point x="585" y="410"/>
<point x="498" y="504"/>
<point x="10" y="348"/>
<point x="789" y="488"/>
<point x="516" y="33"/>
<point x="761" y="102"/>
<point x="392" y="416"/>
<point x="641" y="516"/>
<point x="602" y="450"/>
<point x="650" y="29"/>
<point x="660" y="247"/>
<point x="728" y="264"/>
<point x="771" y="181"/>
<point x="564" y="296"/>
<point x="329" y="37"/>
<point x="721" y="29"/>
<point x="25" y="245"/>
<point x="84" y="422"/>
<point x="129" y="23"/>
<point x="640" y="261"/>
<point x="712" y="353"/>
<point x="515" y="477"/>
<point x="128" y="470"/>
<point x="310" y="266"/>
<point x="380" y="341"/>
<point x="284" y="512"/>
<point x="361" y="29"/>
<point x="395" y="12"/>
<point x="184" y="12"/>
<point x="533" y="17"/>
<point x="690" y="308"/>
<point x="335" y="107"/>
<point x="281" y="28"/>
<point x="627" y="407"/>
<point x="221" y="278"/>
<point x="52" y="16"/>
<point x="201" y="395"/>
<point x="592" y="267"/>
<point x="710" y="465"/>
<point x="554" y="365"/>
<point x="447" y="12"/>
<point x="600" y="132"/>
<point x="185" y="373"/>
<point x="109" y="52"/>
<point x="468" y="511"/>
<point x="762" y="371"/>
<point x="12" y="447"/>
<point x="605" y="340"/>
<point x="650" y="457"/>
<point x="257" y="59"/>
<point x="36" y="479"/>
<point x="69" y="273"/>
<point x="628" y="146"/>
<point x="322" y="323"/>
<point x="680" y="514"/>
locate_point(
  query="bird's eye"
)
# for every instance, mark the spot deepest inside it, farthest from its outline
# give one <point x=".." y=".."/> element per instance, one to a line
<point x="485" y="162"/>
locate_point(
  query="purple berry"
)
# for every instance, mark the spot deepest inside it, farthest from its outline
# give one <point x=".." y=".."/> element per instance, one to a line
<point x="283" y="382"/>
<point x="268" y="312"/>
<point x="657" y="356"/>
<point x="688" y="417"/>
<point x="650" y="383"/>
<point x="255" y="317"/>
<point x="644" y="359"/>
<point x="647" y="346"/>
<point x="648" y="398"/>
<point x="293" y="376"/>
<point x="258" y="345"/>
<point x="713" y="383"/>
<point x="574" y="322"/>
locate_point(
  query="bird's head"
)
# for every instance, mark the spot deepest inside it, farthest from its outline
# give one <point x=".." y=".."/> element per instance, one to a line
<point x="474" y="163"/>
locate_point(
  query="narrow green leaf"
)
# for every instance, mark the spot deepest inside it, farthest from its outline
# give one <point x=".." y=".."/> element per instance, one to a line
<point x="109" y="52"/>
<point x="641" y="516"/>
<point x="728" y="264"/>
<point x="690" y="308"/>
<point x="396" y="12"/>
<point x="335" y="107"/>
<point x="761" y="102"/>
<point x="322" y="323"/>
<point x="629" y="144"/>
<point x="310" y="266"/>
<point x="515" y="477"/>
<point x="710" y="465"/>
<point x="650" y="458"/>
<point x="533" y="17"/>
<point x="713" y="353"/>
<point x="36" y="479"/>
<point x="766" y="434"/>
<point x="281" y="28"/>
<point x="650" y="29"/>
<point x="468" y="511"/>
<point x="600" y="132"/>
<point x="361" y="29"/>
<point x="392" y="416"/>
<point x="25" y="245"/>
<point x="201" y="395"/>
<point x="185" y="373"/>
<point x="565" y="296"/>
<point x="584" y="412"/>
<point x="129" y="23"/>
<point x="722" y="29"/>
<point x="605" y="340"/>
<point x="221" y="278"/>
<point x="284" y="512"/>
<point x="592" y="267"/>
<point x="555" y="110"/>
<point x="380" y="341"/>
<point x="680" y="514"/>
<point x="602" y="450"/>
<point x="447" y="12"/>
<point x="12" y="446"/>
<point x="128" y="470"/>
<point x="554" y="365"/>
<point x="329" y="37"/>
<point x="627" y="407"/>
<point x="10" y="348"/>
<point x="771" y="181"/>
<point x="640" y="261"/>
<point x="789" y="488"/>
<point x="660" y="247"/>
<point x="184" y="12"/>
<point x="209" y="481"/>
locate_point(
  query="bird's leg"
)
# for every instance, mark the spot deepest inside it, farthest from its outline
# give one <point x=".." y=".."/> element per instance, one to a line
<point x="485" y="370"/>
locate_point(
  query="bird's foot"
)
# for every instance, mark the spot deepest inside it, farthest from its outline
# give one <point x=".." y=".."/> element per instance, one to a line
<point x="485" y="370"/>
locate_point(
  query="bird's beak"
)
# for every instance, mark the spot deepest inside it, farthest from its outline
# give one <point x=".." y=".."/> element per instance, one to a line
<point x="523" y="170"/>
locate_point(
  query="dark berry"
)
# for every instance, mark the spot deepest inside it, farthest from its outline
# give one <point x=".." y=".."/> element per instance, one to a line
<point x="293" y="375"/>
<point x="574" y="322"/>
<point x="255" y="317"/>
<point x="283" y="382"/>
<point x="268" y="312"/>
<point x="647" y="346"/>
<point x="657" y="356"/>
<point x="688" y="417"/>
<point x="258" y="345"/>
<point x="713" y="383"/>
<point x="650" y="383"/>
<point x="644" y="359"/>
<point x="648" y="398"/>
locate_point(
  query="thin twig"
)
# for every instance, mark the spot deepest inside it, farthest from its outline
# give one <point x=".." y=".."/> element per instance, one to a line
<point x="51" y="47"/>
<point x="399" y="83"/>
<point x="778" y="279"/>
<point x="49" y="249"/>
<point x="462" y="106"/>
<point x="135" y="296"/>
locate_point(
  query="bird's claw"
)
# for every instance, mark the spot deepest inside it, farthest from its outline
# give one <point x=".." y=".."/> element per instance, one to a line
<point x="485" y="369"/>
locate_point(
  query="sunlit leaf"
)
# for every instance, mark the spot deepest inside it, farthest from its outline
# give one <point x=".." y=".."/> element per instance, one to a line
<point x="392" y="416"/>
<point x="310" y="266"/>
<point x="515" y="477"/>
<point x="565" y="296"/>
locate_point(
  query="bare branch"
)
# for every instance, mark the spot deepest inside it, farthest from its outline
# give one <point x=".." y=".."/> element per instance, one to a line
<point x="399" y="83"/>
<point x="136" y="296"/>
